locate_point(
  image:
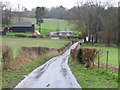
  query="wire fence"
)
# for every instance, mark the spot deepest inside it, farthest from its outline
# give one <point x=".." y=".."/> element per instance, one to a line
<point x="106" y="64"/>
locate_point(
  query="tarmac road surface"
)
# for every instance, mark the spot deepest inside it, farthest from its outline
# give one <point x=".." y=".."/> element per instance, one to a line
<point x="53" y="74"/>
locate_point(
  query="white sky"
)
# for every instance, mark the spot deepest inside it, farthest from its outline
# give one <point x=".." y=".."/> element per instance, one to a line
<point x="47" y="3"/>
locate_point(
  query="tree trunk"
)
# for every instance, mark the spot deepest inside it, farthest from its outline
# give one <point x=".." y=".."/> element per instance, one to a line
<point x="96" y="38"/>
<point x="85" y="39"/>
<point x="89" y="38"/>
<point x="92" y="39"/>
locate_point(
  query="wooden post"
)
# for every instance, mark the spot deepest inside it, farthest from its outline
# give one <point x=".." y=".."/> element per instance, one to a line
<point x="98" y="61"/>
<point x="107" y="60"/>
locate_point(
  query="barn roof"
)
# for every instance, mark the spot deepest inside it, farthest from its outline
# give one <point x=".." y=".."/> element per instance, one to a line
<point x="22" y="24"/>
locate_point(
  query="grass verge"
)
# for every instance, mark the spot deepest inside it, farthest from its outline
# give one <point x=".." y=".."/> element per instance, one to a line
<point x="12" y="77"/>
<point x="93" y="78"/>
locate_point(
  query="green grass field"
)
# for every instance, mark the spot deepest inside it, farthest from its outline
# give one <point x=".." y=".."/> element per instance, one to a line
<point x="113" y="54"/>
<point x="49" y="25"/>
<point x="14" y="33"/>
<point x="93" y="78"/>
<point x="17" y="43"/>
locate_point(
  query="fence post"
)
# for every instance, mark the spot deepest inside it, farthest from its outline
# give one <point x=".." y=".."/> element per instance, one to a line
<point x="107" y="60"/>
<point x="98" y="61"/>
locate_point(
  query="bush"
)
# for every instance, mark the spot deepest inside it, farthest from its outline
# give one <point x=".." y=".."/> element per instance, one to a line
<point x="74" y="52"/>
<point x="28" y="54"/>
<point x="37" y="50"/>
<point x="79" y="56"/>
<point x="89" y="56"/>
<point x="6" y="56"/>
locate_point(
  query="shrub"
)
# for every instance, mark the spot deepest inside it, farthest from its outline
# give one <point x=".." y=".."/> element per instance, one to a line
<point x="37" y="50"/>
<point x="27" y="54"/>
<point x="89" y="56"/>
<point x="58" y="50"/>
<point x="74" y="52"/>
<point x="6" y="56"/>
<point x="79" y="56"/>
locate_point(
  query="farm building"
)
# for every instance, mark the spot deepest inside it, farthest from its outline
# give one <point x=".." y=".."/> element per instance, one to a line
<point x="65" y="33"/>
<point x="22" y="27"/>
<point x="62" y="33"/>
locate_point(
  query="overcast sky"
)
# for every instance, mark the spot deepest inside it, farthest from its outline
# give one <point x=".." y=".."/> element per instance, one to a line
<point x="47" y="3"/>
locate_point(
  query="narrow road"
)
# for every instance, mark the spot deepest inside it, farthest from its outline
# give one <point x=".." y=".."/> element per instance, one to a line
<point x="53" y="74"/>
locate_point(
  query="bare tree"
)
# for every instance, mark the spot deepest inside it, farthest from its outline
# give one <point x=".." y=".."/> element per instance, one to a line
<point x="6" y="14"/>
<point x="88" y="17"/>
<point x="111" y="25"/>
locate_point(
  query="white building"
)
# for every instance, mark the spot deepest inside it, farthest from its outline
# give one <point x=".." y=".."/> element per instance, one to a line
<point x="62" y="33"/>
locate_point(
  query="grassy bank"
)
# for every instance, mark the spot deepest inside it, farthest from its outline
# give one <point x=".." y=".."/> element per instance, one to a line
<point x="113" y="53"/>
<point x="93" y="78"/>
<point x="12" y="77"/>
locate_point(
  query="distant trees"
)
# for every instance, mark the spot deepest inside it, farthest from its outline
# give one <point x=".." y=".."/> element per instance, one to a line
<point x="88" y="20"/>
<point x="98" y="22"/>
<point x="25" y="13"/>
<point x="56" y="12"/>
<point x="19" y="12"/>
<point x="119" y="23"/>
<point x="110" y="21"/>
<point x="47" y="13"/>
<point x="59" y="12"/>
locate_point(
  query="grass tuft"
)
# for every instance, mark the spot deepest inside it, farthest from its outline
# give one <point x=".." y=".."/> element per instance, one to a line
<point x="93" y="78"/>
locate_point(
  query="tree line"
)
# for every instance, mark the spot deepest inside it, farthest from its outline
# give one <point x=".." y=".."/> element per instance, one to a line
<point x="95" y="20"/>
<point x="59" y="12"/>
<point x="20" y="12"/>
